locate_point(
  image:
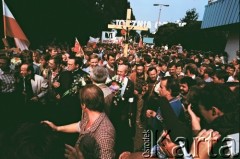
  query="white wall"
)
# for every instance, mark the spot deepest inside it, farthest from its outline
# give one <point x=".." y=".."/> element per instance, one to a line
<point x="232" y="44"/>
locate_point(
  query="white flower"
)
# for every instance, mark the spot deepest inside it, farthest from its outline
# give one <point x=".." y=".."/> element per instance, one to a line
<point x="83" y="83"/>
<point x="115" y="77"/>
<point x="108" y="80"/>
<point x="16" y="61"/>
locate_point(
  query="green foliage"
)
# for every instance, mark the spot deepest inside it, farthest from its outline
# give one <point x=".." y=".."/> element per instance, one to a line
<point x="190" y="17"/>
<point x="191" y="36"/>
<point x="45" y="20"/>
<point x="166" y="34"/>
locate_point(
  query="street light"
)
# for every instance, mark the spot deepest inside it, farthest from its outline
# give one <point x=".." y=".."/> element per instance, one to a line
<point x="160" y="8"/>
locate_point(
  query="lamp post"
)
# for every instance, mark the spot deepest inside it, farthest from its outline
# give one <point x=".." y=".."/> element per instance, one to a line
<point x="160" y="8"/>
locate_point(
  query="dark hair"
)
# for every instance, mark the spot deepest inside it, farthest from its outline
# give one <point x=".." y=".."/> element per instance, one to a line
<point x="26" y="56"/>
<point x="30" y="68"/>
<point x="193" y="98"/>
<point x="77" y="61"/>
<point x="46" y="57"/>
<point x="89" y="147"/>
<point x="231" y="66"/>
<point x="35" y="141"/>
<point x="165" y="58"/>
<point x="209" y="71"/>
<point x="92" y="96"/>
<point x="162" y="63"/>
<point x="155" y="60"/>
<point x="204" y="65"/>
<point x="50" y="48"/>
<point x="222" y="74"/>
<point x="172" y="85"/>
<point x="150" y="69"/>
<point x="192" y="68"/>
<point x="179" y="64"/>
<point x="217" y="95"/>
<point x="110" y="54"/>
<point x="188" y="80"/>
<point x="140" y="65"/>
<point x="171" y="64"/>
<point x="37" y="53"/>
<point x="147" y="58"/>
<point x="57" y="60"/>
<point x="124" y="59"/>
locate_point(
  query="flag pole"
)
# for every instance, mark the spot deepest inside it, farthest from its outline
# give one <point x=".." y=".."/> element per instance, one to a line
<point x="4" y="20"/>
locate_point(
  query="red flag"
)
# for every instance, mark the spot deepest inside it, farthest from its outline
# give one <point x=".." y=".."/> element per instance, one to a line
<point x="140" y="44"/>
<point x="77" y="46"/>
<point x="12" y="29"/>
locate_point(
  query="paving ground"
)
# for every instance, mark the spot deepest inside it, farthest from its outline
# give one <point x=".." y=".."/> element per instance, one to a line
<point x="138" y="140"/>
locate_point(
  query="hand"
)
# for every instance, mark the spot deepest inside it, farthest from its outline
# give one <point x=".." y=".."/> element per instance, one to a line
<point x="195" y="120"/>
<point x="167" y="145"/>
<point x="144" y="89"/>
<point x="135" y="92"/>
<point x="150" y="113"/>
<point x="35" y="99"/>
<point x="203" y="143"/>
<point x="58" y="97"/>
<point x="70" y="152"/>
<point x="124" y="155"/>
<point x="56" y="84"/>
<point x="50" y="124"/>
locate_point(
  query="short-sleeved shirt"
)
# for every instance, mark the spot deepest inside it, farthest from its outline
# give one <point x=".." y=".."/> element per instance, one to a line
<point x="104" y="133"/>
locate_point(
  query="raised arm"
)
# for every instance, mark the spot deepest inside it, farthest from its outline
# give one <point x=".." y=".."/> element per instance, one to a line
<point x="71" y="128"/>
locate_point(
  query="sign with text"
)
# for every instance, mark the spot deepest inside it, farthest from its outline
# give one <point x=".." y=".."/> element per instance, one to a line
<point x="134" y="23"/>
<point x="110" y="37"/>
<point x="147" y="24"/>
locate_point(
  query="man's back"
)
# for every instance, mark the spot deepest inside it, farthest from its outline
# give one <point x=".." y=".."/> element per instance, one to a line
<point x="104" y="133"/>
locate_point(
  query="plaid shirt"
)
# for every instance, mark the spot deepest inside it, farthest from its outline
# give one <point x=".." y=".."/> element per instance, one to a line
<point x="7" y="82"/>
<point x="104" y="133"/>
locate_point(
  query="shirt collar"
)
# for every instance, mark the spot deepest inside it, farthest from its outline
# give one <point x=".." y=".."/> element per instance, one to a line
<point x="94" y="125"/>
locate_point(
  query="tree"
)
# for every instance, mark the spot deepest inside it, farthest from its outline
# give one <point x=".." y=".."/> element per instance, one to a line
<point x="45" y="20"/>
<point x="166" y="34"/>
<point x="190" y="17"/>
<point x="192" y="37"/>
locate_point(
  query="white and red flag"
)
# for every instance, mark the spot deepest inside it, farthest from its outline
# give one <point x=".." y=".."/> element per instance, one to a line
<point x="92" y="42"/>
<point x="12" y="29"/>
<point x="77" y="47"/>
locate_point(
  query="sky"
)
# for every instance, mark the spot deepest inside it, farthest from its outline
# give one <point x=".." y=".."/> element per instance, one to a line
<point x="144" y="9"/>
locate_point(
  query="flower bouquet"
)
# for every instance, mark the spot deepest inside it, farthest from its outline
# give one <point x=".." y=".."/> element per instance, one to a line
<point x="79" y="82"/>
<point x="16" y="61"/>
<point x="115" y="84"/>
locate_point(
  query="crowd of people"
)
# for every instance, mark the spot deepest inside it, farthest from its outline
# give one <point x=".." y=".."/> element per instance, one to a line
<point x="170" y="92"/>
